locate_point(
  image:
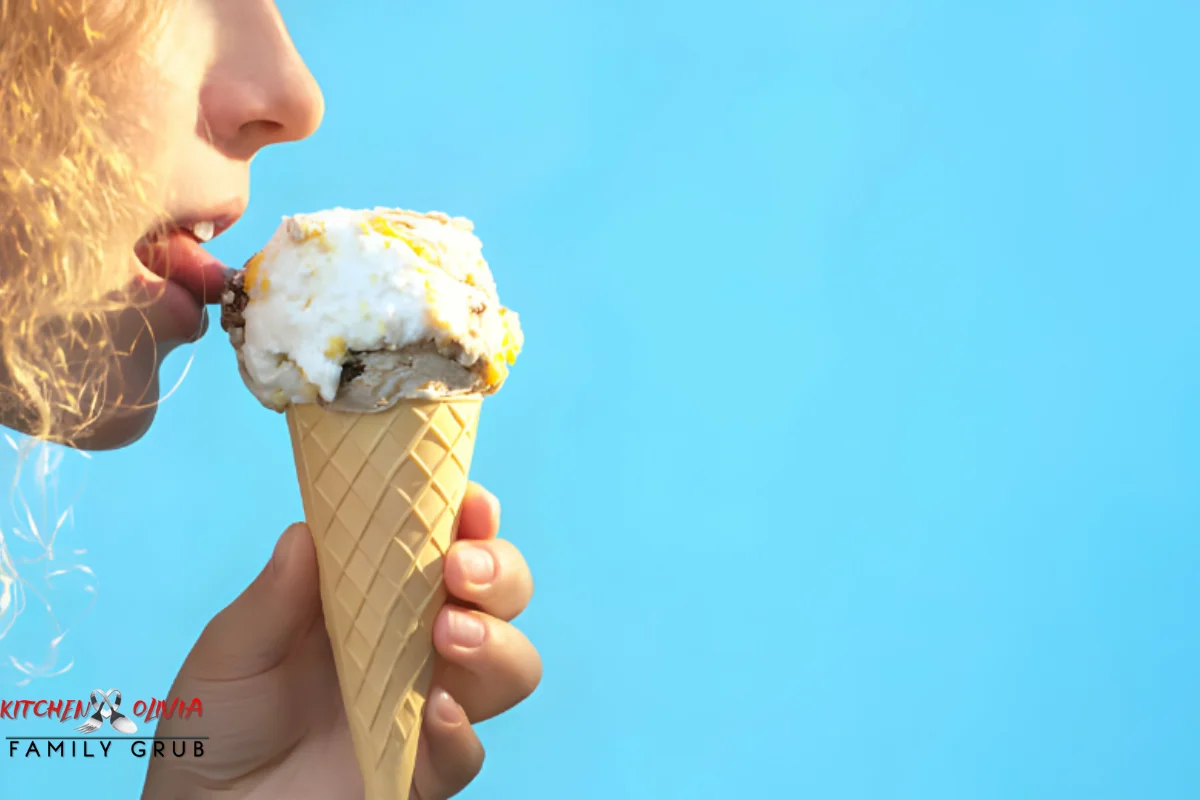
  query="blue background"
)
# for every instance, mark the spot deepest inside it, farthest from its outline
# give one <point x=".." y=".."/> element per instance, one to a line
<point x="854" y="448"/>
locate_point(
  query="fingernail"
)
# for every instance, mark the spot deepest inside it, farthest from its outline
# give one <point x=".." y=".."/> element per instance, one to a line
<point x="494" y="502"/>
<point x="465" y="629"/>
<point x="445" y="709"/>
<point x="477" y="564"/>
<point x="282" y="547"/>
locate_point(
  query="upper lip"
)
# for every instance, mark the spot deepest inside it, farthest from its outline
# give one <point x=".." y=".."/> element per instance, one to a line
<point x="222" y="217"/>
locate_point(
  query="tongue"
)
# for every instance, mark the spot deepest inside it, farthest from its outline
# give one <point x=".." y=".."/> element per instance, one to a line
<point x="179" y="258"/>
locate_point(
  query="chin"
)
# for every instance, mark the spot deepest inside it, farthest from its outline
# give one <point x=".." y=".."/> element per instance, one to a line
<point x="130" y="402"/>
<point x="145" y="336"/>
<point x="115" y="430"/>
<point x="175" y="318"/>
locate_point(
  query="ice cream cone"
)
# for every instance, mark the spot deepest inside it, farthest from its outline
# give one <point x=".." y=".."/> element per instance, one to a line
<point x="381" y="492"/>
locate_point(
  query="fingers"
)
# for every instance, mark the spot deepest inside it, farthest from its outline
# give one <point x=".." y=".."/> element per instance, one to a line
<point x="449" y="754"/>
<point x="491" y="575"/>
<point x="256" y="631"/>
<point x="487" y="665"/>
<point x="479" y="515"/>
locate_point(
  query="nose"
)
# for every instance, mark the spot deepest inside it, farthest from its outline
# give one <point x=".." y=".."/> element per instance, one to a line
<point x="259" y="91"/>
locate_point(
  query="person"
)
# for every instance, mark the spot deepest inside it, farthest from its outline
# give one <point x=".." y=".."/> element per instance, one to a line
<point x="126" y="127"/>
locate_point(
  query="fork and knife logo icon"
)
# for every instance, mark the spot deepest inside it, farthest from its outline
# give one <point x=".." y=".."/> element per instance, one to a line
<point x="106" y="705"/>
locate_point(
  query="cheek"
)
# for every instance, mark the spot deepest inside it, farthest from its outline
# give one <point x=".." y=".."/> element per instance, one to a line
<point x="171" y="103"/>
<point x="170" y="139"/>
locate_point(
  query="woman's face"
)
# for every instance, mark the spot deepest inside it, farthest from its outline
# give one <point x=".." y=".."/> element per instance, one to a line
<point x="225" y="82"/>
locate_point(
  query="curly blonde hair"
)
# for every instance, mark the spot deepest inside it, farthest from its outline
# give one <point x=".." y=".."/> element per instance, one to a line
<point x="70" y="187"/>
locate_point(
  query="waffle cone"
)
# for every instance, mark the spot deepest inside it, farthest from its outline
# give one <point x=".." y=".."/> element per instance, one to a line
<point x="381" y="492"/>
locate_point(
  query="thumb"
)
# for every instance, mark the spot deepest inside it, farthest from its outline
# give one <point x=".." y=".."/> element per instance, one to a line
<point x="255" y="632"/>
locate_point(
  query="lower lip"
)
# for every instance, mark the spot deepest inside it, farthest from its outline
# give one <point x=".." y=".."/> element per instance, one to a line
<point x="193" y="279"/>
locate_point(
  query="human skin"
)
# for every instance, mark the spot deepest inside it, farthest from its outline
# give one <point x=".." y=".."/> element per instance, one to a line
<point x="224" y="82"/>
<point x="264" y="671"/>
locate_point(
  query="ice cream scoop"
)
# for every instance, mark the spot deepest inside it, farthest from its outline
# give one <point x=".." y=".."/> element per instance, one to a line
<point x="356" y="310"/>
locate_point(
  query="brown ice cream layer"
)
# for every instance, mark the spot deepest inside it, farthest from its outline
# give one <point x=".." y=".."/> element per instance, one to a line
<point x="233" y="307"/>
<point x="377" y="379"/>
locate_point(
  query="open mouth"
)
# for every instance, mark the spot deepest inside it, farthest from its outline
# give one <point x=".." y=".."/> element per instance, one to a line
<point x="176" y="254"/>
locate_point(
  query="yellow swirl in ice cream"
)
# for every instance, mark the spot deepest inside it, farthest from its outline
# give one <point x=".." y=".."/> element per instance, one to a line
<point x="359" y="309"/>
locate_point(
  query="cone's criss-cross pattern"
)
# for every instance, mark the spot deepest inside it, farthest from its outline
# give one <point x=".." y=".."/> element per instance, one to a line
<point x="381" y="493"/>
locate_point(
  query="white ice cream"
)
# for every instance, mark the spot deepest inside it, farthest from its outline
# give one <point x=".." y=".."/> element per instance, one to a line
<point x="337" y="284"/>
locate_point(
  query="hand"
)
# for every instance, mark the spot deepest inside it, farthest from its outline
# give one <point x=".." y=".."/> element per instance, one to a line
<point x="264" y="670"/>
